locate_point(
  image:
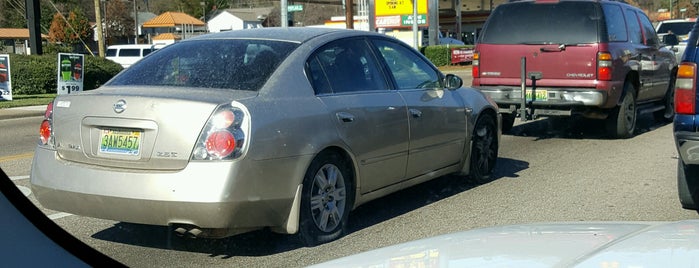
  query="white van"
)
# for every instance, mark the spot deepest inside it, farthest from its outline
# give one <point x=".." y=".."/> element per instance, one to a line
<point x="126" y="55"/>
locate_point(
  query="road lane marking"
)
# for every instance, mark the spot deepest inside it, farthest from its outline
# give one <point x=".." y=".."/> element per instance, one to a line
<point x="16" y="157"/>
<point x="26" y="191"/>
<point x="59" y="215"/>
<point x="16" y="178"/>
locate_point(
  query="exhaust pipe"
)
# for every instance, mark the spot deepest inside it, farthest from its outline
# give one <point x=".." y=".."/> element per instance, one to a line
<point x="189" y="231"/>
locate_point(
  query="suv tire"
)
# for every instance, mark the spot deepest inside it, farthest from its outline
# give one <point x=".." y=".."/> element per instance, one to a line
<point x="621" y="122"/>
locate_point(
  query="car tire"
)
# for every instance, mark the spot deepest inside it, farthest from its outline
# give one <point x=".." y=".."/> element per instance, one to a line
<point x="688" y="185"/>
<point x="326" y="200"/>
<point x="484" y="149"/>
<point x="621" y="122"/>
<point x="668" y="114"/>
<point x="508" y="121"/>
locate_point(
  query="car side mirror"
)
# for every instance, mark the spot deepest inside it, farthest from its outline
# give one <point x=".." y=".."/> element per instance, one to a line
<point x="452" y="82"/>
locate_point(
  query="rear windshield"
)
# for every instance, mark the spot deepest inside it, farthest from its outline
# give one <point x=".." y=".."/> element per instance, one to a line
<point x="680" y="28"/>
<point x="543" y="23"/>
<point x="231" y="64"/>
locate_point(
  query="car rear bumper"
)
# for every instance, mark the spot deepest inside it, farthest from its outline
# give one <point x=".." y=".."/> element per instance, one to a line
<point x="208" y="195"/>
<point x="561" y="97"/>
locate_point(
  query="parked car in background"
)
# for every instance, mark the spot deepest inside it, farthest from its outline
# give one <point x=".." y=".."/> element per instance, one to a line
<point x="596" y="59"/>
<point x="680" y="28"/>
<point x="686" y="124"/>
<point x="231" y="132"/>
<point x="127" y="55"/>
<point x="441" y="38"/>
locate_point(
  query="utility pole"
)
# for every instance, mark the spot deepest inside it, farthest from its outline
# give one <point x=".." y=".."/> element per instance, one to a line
<point x="349" y="18"/>
<point x="100" y="36"/>
<point x="34" y="24"/>
<point x="135" y="20"/>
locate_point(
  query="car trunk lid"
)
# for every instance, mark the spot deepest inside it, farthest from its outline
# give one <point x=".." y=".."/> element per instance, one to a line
<point x="135" y="128"/>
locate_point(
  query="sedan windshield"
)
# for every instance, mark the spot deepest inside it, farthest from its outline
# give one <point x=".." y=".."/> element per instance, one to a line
<point x="226" y="63"/>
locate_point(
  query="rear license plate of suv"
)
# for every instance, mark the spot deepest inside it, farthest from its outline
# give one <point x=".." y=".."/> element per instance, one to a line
<point x="121" y="142"/>
<point x="541" y="95"/>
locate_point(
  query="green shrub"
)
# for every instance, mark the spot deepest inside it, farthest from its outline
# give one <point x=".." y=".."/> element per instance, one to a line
<point x="37" y="74"/>
<point x="98" y="71"/>
<point x="440" y="55"/>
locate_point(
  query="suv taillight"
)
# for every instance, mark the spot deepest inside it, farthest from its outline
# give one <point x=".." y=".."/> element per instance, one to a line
<point x="604" y="66"/>
<point x="46" y="127"/>
<point x="686" y="88"/>
<point x="225" y="134"/>
<point x="475" y="64"/>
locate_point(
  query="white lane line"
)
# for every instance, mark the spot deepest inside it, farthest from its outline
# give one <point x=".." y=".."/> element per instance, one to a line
<point x="16" y="178"/>
<point x="59" y="215"/>
<point x="26" y="191"/>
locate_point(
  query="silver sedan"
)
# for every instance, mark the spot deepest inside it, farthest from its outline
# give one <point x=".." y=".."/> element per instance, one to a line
<point x="280" y="128"/>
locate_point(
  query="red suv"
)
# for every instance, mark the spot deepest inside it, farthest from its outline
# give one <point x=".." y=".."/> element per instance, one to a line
<point x="595" y="58"/>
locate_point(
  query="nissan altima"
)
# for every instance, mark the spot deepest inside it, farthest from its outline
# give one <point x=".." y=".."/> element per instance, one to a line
<point x="280" y="128"/>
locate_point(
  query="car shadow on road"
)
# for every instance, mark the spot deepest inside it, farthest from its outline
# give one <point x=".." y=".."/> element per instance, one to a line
<point x="265" y="242"/>
<point x="577" y="128"/>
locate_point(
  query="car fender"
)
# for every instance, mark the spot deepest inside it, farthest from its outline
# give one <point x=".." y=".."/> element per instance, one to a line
<point x="478" y="104"/>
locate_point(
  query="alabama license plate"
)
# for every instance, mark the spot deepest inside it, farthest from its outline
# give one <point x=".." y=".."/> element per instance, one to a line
<point x="541" y="95"/>
<point x="120" y="142"/>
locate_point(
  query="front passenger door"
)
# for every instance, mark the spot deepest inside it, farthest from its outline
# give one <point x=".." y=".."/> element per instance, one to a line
<point x="437" y="117"/>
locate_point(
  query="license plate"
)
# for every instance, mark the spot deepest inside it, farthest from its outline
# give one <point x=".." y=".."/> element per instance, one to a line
<point x="541" y="95"/>
<point x="120" y="142"/>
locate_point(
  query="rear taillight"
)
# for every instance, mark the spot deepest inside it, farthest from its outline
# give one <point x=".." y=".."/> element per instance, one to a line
<point x="475" y="64"/>
<point x="225" y="133"/>
<point x="46" y="127"/>
<point x="686" y="88"/>
<point x="604" y="66"/>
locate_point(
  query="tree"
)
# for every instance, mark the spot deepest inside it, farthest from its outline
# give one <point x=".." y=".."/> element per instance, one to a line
<point x="118" y="20"/>
<point x="79" y="27"/>
<point x="57" y="31"/>
<point x="12" y="14"/>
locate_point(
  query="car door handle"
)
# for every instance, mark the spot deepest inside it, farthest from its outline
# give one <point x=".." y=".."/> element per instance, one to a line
<point x="468" y="110"/>
<point x="345" y="117"/>
<point x="415" y="113"/>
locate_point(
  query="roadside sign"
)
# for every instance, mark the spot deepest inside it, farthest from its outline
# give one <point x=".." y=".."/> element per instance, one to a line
<point x="294" y="8"/>
<point x="70" y="73"/>
<point x="5" y="82"/>
<point x="407" y="20"/>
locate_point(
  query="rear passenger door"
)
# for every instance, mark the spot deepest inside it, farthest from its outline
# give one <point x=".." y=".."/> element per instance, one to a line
<point x="652" y="66"/>
<point x="662" y="61"/>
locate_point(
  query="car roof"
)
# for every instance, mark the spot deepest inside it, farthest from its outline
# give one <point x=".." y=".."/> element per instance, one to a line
<point x="290" y="34"/>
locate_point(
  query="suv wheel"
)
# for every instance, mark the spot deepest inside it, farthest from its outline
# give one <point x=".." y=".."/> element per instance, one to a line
<point x="621" y="122"/>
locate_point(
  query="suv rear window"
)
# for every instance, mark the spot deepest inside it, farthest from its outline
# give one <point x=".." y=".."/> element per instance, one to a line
<point x="547" y="23"/>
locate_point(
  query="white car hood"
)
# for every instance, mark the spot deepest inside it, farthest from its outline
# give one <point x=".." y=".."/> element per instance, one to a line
<point x="573" y="244"/>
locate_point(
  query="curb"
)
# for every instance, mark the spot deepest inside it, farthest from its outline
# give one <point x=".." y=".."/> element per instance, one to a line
<point x="21" y="112"/>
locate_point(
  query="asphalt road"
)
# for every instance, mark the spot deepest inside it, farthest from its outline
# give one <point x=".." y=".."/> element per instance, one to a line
<point x="547" y="171"/>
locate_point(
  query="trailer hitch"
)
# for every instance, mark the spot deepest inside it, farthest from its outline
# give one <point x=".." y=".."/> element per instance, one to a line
<point x="526" y="111"/>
